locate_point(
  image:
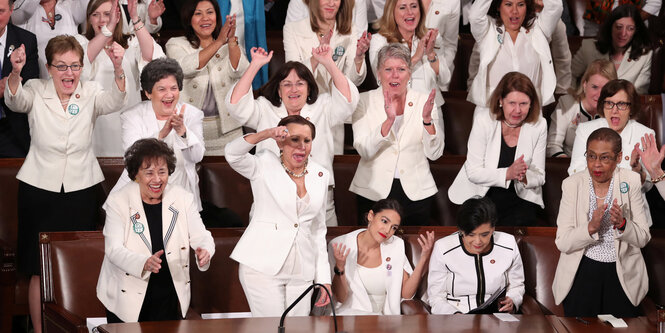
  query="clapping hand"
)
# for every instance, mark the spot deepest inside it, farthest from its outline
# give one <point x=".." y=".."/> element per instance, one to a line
<point x="363" y="45"/>
<point x="517" y="170"/>
<point x="178" y="123"/>
<point x="115" y="15"/>
<point x="391" y="113"/>
<point x="154" y="264"/>
<point x="616" y="214"/>
<point x="430" y="42"/>
<point x="229" y="28"/>
<point x="17" y="59"/>
<point x="155" y="9"/>
<point x="651" y="157"/>
<point x="260" y="57"/>
<point x="597" y="216"/>
<point x="116" y="53"/>
<point x="429" y="105"/>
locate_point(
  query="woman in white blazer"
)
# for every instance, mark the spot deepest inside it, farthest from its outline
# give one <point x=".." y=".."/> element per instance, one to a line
<point x="212" y="62"/>
<point x="364" y="281"/>
<point x="624" y="40"/>
<point x="60" y="174"/>
<point x="164" y="118"/>
<point x="443" y="16"/>
<point x="283" y="250"/>
<point x="653" y="159"/>
<point x="580" y="107"/>
<point x="475" y="264"/>
<point x="403" y="21"/>
<point x="299" y="10"/>
<point x="602" y="227"/>
<point x="324" y="110"/>
<point x="511" y="38"/>
<point x="395" y="131"/>
<point x="150" y="226"/>
<point x="139" y="49"/>
<point x="506" y="155"/>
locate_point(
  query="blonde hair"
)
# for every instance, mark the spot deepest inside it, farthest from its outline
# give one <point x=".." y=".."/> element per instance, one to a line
<point x="387" y="26"/>
<point x="343" y="19"/>
<point x="602" y="67"/>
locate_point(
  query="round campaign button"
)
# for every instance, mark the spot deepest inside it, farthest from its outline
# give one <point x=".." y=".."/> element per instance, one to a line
<point x="73" y="109"/>
<point x="138" y="227"/>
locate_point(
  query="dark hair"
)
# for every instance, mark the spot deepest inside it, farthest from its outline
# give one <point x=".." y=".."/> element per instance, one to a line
<point x="640" y="43"/>
<point x="271" y="89"/>
<point x="388" y="204"/>
<point x="612" y="88"/>
<point x="187" y="12"/>
<point x="62" y="44"/>
<point x="515" y="81"/>
<point x="298" y="119"/>
<point x="158" y="69"/>
<point x="606" y="134"/>
<point x="475" y="212"/>
<point x="148" y="151"/>
<point x="529" y="18"/>
<point x="118" y="36"/>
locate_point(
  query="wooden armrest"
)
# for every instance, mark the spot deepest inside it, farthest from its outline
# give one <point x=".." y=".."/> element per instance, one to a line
<point x="192" y="314"/>
<point x="413" y="306"/>
<point x="530" y="306"/>
<point x="650" y="310"/>
<point x="57" y="319"/>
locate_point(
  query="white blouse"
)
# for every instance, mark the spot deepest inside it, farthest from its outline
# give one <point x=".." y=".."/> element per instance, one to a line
<point x="519" y="56"/>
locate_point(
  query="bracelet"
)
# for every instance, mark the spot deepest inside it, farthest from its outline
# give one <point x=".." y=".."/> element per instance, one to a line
<point x="432" y="60"/>
<point x="661" y="177"/>
<point x="622" y="227"/>
<point x="139" y="28"/>
<point x="427" y="124"/>
<point x="137" y="21"/>
<point x="106" y="32"/>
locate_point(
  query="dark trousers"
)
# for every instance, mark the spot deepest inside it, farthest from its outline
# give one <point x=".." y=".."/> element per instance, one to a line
<point x="415" y="212"/>
<point x="597" y="290"/>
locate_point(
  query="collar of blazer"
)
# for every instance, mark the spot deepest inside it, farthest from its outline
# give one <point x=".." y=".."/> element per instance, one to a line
<point x="138" y="219"/>
<point x="411" y="108"/>
<point x="281" y="184"/>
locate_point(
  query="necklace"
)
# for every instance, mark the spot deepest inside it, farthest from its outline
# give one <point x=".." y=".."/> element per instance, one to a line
<point x="64" y="102"/>
<point x="511" y="126"/>
<point x="293" y="174"/>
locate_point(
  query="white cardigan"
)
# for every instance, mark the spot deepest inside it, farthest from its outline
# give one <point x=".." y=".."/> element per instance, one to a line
<point x="423" y="78"/>
<point x="274" y="225"/>
<point x="329" y="110"/>
<point x="357" y="301"/>
<point x="452" y="283"/>
<point x="407" y="150"/>
<point x="484" y="30"/>
<point x="61" y="152"/>
<point x="636" y="71"/>
<point x="122" y="281"/>
<point x="140" y="122"/>
<point x="572" y="235"/>
<point x="299" y="39"/>
<point x="564" y="121"/>
<point x="480" y="171"/>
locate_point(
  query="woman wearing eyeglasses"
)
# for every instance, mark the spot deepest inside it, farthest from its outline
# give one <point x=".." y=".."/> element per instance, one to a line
<point x="602" y="226"/>
<point x="59" y="178"/>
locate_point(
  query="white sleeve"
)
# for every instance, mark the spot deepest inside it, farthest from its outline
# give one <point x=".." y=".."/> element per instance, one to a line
<point x="436" y="279"/>
<point x="296" y="11"/>
<point x="652" y="7"/>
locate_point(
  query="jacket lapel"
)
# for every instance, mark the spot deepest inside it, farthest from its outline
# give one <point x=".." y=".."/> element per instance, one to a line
<point x="410" y="105"/>
<point x="138" y="220"/>
<point x="280" y="182"/>
<point x="169" y="216"/>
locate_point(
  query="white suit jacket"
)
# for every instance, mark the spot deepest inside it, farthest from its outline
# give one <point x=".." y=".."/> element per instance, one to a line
<point x="484" y="30"/>
<point x="299" y="10"/>
<point x="636" y="71"/>
<point x="329" y="110"/>
<point x="122" y="280"/>
<point x="444" y="15"/>
<point x="480" y="171"/>
<point x="218" y="69"/>
<point x="140" y="122"/>
<point x="406" y="150"/>
<point x="61" y="147"/>
<point x="572" y="236"/>
<point x="299" y="39"/>
<point x="423" y="78"/>
<point x="274" y="223"/>
<point x="564" y="121"/>
<point x="357" y="301"/>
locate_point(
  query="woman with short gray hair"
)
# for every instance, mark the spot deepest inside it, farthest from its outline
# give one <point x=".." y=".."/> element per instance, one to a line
<point x="395" y="130"/>
<point x="163" y="118"/>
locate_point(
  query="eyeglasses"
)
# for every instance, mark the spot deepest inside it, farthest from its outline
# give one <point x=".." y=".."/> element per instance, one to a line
<point x="289" y="85"/>
<point x="620" y="105"/>
<point x="605" y="159"/>
<point x="63" y="68"/>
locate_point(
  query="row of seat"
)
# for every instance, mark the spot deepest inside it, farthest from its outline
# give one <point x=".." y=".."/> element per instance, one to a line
<point x="72" y="260"/>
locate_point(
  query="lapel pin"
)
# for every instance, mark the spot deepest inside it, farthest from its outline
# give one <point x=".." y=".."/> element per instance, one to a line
<point x="492" y="261"/>
<point x="389" y="266"/>
<point x="10" y="50"/>
<point x="78" y="96"/>
<point x="410" y="103"/>
<point x="137" y="216"/>
<point x="320" y="174"/>
<point x="388" y="259"/>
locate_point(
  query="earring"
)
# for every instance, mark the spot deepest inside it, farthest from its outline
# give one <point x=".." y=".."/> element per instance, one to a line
<point x="409" y="83"/>
<point x="500" y="105"/>
<point x="378" y="82"/>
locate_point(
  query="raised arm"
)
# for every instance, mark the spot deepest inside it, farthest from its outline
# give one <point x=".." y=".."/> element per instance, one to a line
<point x="259" y="58"/>
<point x="550" y="16"/>
<point x="323" y="55"/>
<point x="146" y="43"/>
<point x="411" y="282"/>
<point x="153" y="15"/>
<point x="237" y="151"/>
<point x="478" y="18"/>
<point x="337" y="255"/>
<point x="101" y="40"/>
<point x="433" y="136"/>
<point x="16" y="98"/>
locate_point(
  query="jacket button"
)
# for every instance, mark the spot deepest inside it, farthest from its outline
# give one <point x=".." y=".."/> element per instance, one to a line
<point x="195" y="86"/>
<point x="217" y="55"/>
<point x="219" y="69"/>
<point x="436" y="12"/>
<point x="186" y="266"/>
<point x="307" y="118"/>
<point x="223" y="84"/>
<point x="191" y="100"/>
<point x="78" y="96"/>
<point x="627" y="158"/>
<point x="183" y="248"/>
<point x="168" y="253"/>
<point x="127" y="274"/>
<point x="123" y="290"/>
<point x="410" y="103"/>
<point x="295" y="225"/>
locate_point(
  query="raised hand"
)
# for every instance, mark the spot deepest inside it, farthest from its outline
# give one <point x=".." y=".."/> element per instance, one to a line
<point x="597" y="216"/>
<point x="340" y="251"/>
<point x="635" y="158"/>
<point x="154" y="264"/>
<point x="651" y="157"/>
<point x="229" y="25"/>
<point x="517" y="170"/>
<point x="178" y="123"/>
<point x="115" y="15"/>
<point x="431" y="41"/>
<point x="155" y="9"/>
<point x="203" y="256"/>
<point x="323" y="54"/>
<point x="17" y="59"/>
<point x="260" y="57"/>
<point x="116" y="53"/>
<point x="132" y="9"/>
<point x="429" y="105"/>
<point x="426" y="242"/>
<point x="388" y="105"/>
<point x="363" y="44"/>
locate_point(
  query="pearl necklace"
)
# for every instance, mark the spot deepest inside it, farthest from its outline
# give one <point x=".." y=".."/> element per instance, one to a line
<point x="510" y="125"/>
<point x="293" y="174"/>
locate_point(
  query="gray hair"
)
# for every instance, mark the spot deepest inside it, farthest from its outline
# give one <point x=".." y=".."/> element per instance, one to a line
<point x="394" y="50"/>
<point x="159" y="69"/>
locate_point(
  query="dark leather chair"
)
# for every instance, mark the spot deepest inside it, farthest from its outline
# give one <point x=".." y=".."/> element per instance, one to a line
<point x="457" y="122"/>
<point x="275" y="43"/>
<point x="220" y="185"/>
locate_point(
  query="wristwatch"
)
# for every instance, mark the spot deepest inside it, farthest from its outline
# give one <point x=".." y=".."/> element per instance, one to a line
<point x="337" y="271"/>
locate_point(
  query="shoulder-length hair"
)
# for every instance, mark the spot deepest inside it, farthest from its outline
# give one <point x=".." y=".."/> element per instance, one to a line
<point x="612" y="88"/>
<point x="529" y="18"/>
<point x="639" y="45"/>
<point x="602" y="67"/>
<point x="187" y="12"/>
<point x="515" y="81"/>
<point x="387" y="26"/>
<point x="118" y="36"/>
<point x="271" y="89"/>
<point x="148" y="151"/>
<point x="344" y="19"/>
